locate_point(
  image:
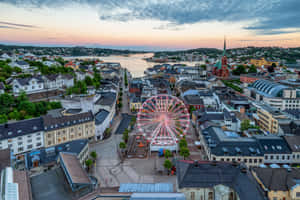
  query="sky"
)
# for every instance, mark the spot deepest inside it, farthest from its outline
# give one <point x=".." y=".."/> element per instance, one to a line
<point x="150" y="24"/>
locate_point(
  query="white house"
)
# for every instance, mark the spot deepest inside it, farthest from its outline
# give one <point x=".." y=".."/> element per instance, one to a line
<point x="28" y="85"/>
<point x="4" y="57"/>
<point x="50" y="63"/>
<point x="22" y="136"/>
<point x="21" y="64"/>
<point x="81" y="75"/>
<point x="103" y="121"/>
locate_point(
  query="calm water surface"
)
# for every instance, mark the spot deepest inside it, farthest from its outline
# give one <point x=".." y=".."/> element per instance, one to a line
<point x="135" y="63"/>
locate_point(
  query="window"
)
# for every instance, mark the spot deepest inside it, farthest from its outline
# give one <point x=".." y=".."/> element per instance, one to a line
<point x="20" y="143"/>
<point x="192" y="195"/>
<point x="29" y="141"/>
<point x="297" y="194"/>
<point x="210" y="196"/>
<point x="9" y="145"/>
<point x="250" y="160"/>
<point x="38" y="138"/>
<point x="274" y="198"/>
<point x="29" y="136"/>
<point x="29" y="146"/>
<point x="19" y="138"/>
<point x="38" y="144"/>
<point x="20" y="149"/>
<point x="49" y="142"/>
<point x="271" y="157"/>
<point x="38" y="134"/>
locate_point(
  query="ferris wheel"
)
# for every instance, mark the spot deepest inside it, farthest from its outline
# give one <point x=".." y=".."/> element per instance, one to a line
<point x="163" y="120"/>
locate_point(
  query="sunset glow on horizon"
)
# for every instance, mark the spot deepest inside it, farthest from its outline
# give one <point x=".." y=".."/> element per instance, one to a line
<point x="88" y="25"/>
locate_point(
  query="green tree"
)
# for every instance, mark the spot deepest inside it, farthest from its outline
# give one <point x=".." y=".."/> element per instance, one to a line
<point x="3" y="119"/>
<point x="125" y="136"/>
<point x="88" y="81"/>
<point x="252" y="69"/>
<point x="185" y="152"/>
<point x="88" y="163"/>
<point x="182" y="143"/>
<point x="245" y="125"/>
<point x="122" y="145"/>
<point x="168" y="165"/>
<point x="94" y="155"/>
<point x="192" y="109"/>
<point x="168" y="153"/>
<point x="239" y="70"/>
<point x="120" y="105"/>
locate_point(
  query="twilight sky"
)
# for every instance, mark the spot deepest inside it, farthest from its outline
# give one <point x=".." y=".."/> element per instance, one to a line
<point x="151" y="24"/>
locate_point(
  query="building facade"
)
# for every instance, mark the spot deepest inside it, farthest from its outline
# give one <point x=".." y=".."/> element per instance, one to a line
<point x="67" y="128"/>
<point x="22" y="136"/>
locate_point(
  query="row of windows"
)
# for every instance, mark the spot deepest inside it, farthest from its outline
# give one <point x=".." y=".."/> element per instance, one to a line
<point x="277" y="157"/>
<point x="245" y="160"/>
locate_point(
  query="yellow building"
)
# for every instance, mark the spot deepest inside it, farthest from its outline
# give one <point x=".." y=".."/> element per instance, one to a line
<point x="67" y="128"/>
<point x="262" y="61"/>
<point x="268" y="118"/>
<point x="279" y="183"/>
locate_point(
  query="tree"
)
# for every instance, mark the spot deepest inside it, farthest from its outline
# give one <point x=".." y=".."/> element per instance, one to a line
<point x="168" y="153"/>
<point x="94" y="155"/>
<point x="182" y="143"/>
<point x="125" y="136"/>
<point x="239" y="70"/>
<point x="3" y="119"/>
<point x="203" y="67"/>
<point x="271" y="68"/>
<point x="88" y="163"/>
<point x="252" y="69"/>
<point x="192" y="109"/>
<point x="88" y="81"/>
<point x="168" y="165"/>
<point x="245" y="125"/>
<point x="120" y="105"/>
<point x="185" y="152"/>
<point x="122" y="145"/>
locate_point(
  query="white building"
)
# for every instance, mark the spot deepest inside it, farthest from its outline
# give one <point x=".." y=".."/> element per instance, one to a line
<point x="103" y="120"/>
<point x="22" y="136"/>
<point x="56" y="81"/>
<point x="28" y="85"/>
<point x="21" y="64"/>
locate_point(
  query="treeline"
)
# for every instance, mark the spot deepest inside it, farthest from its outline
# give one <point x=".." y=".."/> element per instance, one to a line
<point x="80" y="87"/>
<point x="45" y="70"/>
<point x="231" y="85"/>
<point x="20" y="108"/>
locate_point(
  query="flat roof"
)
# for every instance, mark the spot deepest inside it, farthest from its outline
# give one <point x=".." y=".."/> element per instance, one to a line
<point x="74" y="168"/>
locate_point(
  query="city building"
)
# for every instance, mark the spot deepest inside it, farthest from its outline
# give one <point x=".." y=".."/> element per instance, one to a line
<point x="45" y="158"/>
<point x="221" y="67"/>
<point x="56" y="81"/>
<point x="2" y="88"/>
<point x="293" y="142"/>
<point x="269" y="118"/>
<point x="15" y="185"/>
<point x="262" y="62"/>
<point x="27" y="85"/>
<point x="22" y="136"/>
<point x="67" y="128"/>
<point x="276" y="95"/>
<point x="20" y="64"/>
<point x="207" y="180"/>
<point x="228" y="146"/>
<point x="102" y="122"/>
<point x="279" y="183"/>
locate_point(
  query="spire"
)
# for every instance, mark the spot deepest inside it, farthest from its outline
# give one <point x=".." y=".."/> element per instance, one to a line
<point x="224" y="43"/>
<point x="224" y="50"/>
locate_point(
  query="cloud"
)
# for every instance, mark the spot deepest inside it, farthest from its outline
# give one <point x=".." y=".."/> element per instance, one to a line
<point x="18" y="25"/>
<point x="268" y="17"/>
<point x="8" y="27"/>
